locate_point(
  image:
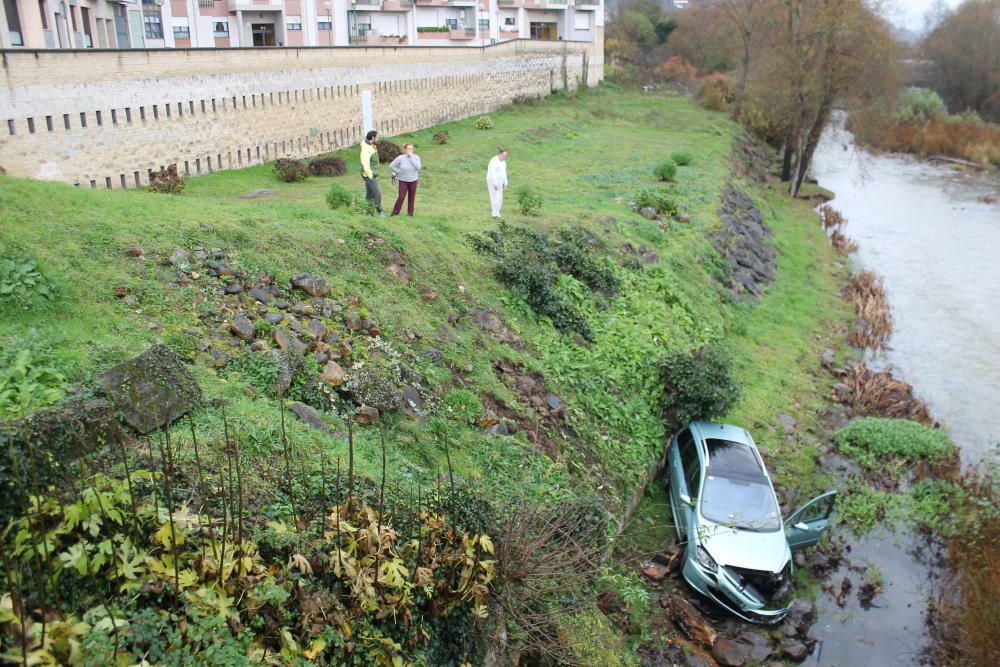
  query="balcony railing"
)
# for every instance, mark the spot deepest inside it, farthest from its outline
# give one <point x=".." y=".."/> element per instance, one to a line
<point x="367" y="3"/>
<point x="396" y="5"/>
<point x="587" y="4"/>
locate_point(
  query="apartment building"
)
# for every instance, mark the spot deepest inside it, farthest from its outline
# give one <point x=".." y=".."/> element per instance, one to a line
<point x="79" y="24"/>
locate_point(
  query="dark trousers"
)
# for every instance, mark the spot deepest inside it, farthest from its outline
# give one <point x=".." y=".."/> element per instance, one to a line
<point x="373" y="193"/>
<point x="406" y="191"/>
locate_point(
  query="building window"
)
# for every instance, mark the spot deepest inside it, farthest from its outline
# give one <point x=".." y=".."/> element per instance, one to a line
<point x="88" y="38"/>
<point x="293" y="23"/>
<point x="44" y="11"/>
<point x="153" y="23"/>
<point x="13" y="23"/>
<point x="325" y="25"/>
<point x="509" y="22"/>
<point x="182" y="30"/>
<point x="220" y="29"/>
<point x="451" y="23"/>
<point x="484" y="25"/>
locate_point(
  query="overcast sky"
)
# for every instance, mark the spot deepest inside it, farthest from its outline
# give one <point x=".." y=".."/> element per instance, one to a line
<point x="910" y="13"/>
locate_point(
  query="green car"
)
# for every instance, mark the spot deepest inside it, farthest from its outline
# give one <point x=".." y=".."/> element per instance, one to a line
<point x="738" y="548"/>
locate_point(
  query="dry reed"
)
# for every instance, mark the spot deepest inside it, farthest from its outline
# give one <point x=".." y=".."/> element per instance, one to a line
<point x="833" y="223"/>
<point x="879" y="394"/>
<point x="867" y="292"/>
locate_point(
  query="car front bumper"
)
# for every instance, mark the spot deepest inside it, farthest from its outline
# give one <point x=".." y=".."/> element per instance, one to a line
<point x="725" y="590"/>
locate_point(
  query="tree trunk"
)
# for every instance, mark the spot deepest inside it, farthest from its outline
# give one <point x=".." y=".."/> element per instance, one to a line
<point x="786" y="161"/>
<point x="741" y="87"/>
<point x="809" y="146"/>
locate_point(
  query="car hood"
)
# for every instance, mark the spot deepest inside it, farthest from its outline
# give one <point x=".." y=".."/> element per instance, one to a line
<point x="765" y="552"/>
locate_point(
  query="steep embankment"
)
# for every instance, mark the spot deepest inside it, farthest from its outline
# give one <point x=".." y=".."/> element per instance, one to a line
<point x="532" y="414"/>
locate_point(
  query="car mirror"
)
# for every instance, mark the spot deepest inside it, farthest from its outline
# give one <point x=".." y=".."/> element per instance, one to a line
<point x="686" y="499"/>
<point x="801" y="525"/>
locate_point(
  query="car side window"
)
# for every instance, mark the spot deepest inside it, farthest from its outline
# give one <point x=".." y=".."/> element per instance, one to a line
<point x="690" y="461"/>
<point x="817" y="510"/>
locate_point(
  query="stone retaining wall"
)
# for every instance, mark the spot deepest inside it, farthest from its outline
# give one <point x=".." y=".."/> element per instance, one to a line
<point x="106" y="119"/>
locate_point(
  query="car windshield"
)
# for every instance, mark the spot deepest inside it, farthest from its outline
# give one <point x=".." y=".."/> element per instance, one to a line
<point x="736" y="492"/>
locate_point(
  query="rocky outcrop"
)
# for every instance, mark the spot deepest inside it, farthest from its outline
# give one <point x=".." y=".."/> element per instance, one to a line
<point x="745" y="246"/>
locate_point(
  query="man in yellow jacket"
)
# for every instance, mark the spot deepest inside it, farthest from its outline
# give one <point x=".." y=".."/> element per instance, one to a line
<point x="369" y="170"/>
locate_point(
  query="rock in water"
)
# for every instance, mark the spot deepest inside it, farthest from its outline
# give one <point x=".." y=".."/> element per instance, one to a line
<point x="152" y="389"/>
<point x="310" y="284"/>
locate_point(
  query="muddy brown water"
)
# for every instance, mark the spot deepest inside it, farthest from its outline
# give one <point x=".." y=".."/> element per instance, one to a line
<point x="933" y="233"/>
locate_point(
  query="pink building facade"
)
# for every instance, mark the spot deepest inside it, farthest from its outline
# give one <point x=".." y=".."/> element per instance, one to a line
<point x="120" y="24"/>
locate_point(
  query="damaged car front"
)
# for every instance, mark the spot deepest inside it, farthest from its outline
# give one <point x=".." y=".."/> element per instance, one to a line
<point x="738" y="550"/>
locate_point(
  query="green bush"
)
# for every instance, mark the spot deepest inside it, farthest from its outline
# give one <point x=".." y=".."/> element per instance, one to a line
<point x="339" y="197"/>
<point x="23" y="285"/>
<point x="441" y="138"/>
<point x="328" y="166"/>
<point x="462" y="404"/>
<point x="530" y="262"/>
<point x="874" y="440"/>
<point x="290" y="171"/>
<point x="364" y="206"/>
<point x="660" y="201"/>
<point x="919" y="106"/>
<point x="529" y="202"/>
<point x="484" y="123"/>
<point x="682" y="158"/>
<point x="666" y="170"/>
<point x="26" y="385"/>
<point x="698" y="385"/>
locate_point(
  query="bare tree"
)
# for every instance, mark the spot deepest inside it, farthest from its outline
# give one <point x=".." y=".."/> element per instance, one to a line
<point x="745" y="16"/>
<point x="965" y="51"/>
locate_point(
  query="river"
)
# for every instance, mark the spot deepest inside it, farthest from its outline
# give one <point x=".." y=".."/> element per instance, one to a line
<point x="933" y="233"/>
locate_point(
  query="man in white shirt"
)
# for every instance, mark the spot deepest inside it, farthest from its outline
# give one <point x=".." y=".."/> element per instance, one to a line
<point x="496" y="181"/>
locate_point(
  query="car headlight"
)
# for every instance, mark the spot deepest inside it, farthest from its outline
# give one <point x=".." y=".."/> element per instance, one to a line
<point x="705" y="559"/>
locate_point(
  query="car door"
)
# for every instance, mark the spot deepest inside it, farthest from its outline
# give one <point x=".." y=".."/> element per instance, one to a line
<point x="805" y="526"/>
<point x="679" y="458"/>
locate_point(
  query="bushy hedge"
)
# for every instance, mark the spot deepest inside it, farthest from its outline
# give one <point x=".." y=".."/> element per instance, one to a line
<point x="682" y="158"/>
<point x="387" y="151"/>
<point x="339" y="197"/>
<point x="328" y="166"/>
<point x="442" y="137"/>
<point x="666" y="170"/>
<point x="289" y="170"/>
<point x="698" y="385"/>
<point x="167" y="181"/>
<point x="660" y="201"/>
<point x="529" y="202"/>
<point x="874" y="440"/>
<point x="484" y="123"/>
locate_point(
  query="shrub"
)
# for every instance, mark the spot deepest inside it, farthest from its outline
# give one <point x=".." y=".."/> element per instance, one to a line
<point x="462" y="404"/>
<point x="484" y="123"/>
<point x="339" y="197"/>
<point x="682" y="158"/>
<point x="364" y="206"/>
<point x="387" y="151"/>
<point x="659" y="200"/>
<point x="441" y="138"/>
<point x="529" y="202"/>
<point x="529" y="262"/>
<point x="698" y="385"/>
<point x="919" y="106"/>
<point x="328" y="166"/>
<point x="666" y="170"/>
<point x="23" y="285"/>
<point x="875" y="439"/>
<point x="27" y="385"/>
<point x="716" y="92"/>
<point x="289" y="170"/>
<point x="167" y="181"/>
<point x="678" y="69"/>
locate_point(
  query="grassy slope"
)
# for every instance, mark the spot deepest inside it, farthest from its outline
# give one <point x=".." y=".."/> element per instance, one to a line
<point x="583" y="155"/>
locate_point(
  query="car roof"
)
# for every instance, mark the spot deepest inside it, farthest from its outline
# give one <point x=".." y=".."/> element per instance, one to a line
<point x="722" y="432"/>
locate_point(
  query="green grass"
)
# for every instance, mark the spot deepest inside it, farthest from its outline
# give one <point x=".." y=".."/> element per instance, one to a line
<point x="875" y="441"/>
<point x="586" y="156"/>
